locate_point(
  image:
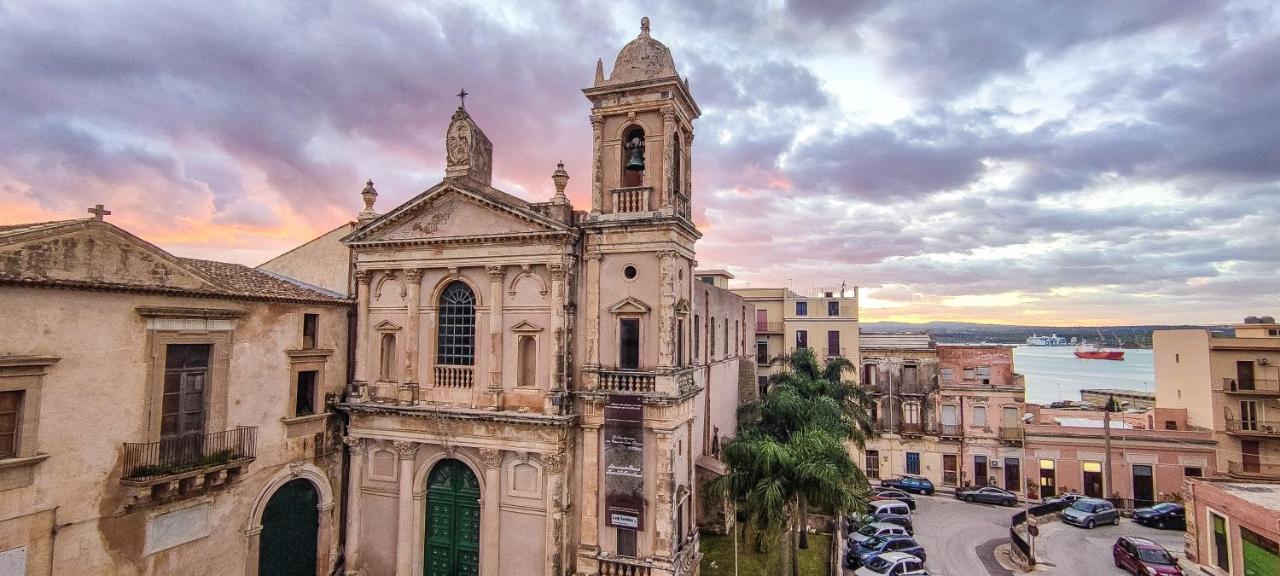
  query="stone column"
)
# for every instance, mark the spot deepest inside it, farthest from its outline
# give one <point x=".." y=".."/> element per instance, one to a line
<point x="666" y="309"/>
<point x="590" y="537"/>
<point x="490" y="514"/>
<point x="560" y="327"/>
<point x="412" y="329"/>
<point x="253" y="550"/>
<point x="664" y="493"/>
<point x="496" y="275"/>
<point x="362" y="331"/>
<point x="355" y="482"/>
<point x="405" y="534"/>
<point x="597" y="169"/>
<point x="668" y="157"/>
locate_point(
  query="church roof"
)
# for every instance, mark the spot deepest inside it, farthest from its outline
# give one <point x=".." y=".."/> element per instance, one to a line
<point x="92" y="254"/>
<point x="642" y="59"/>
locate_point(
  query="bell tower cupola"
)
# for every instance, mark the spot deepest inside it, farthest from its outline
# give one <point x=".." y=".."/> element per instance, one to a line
<point x="642" y="126"/>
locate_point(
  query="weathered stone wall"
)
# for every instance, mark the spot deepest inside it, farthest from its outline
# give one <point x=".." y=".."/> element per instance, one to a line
<point x="323" y="262"/>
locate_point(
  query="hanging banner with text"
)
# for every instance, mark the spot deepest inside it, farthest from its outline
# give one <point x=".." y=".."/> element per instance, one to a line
<point x="624" y="462"/>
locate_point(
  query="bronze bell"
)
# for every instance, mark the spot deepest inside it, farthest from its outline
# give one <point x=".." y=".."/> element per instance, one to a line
<point x="636" y="163"/>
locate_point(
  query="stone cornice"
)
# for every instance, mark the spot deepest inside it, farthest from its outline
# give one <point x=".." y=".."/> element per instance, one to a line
<point x="166" y="291"/>
<point x="183" y="312"/>
<point x="28" y="361"/>
<point x="461" y="414"/>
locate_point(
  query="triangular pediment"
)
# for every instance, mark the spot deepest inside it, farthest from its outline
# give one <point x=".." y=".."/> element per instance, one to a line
<point x="92" y="252"/>
<point x="629" y="305"/>
<point x="526" y="326"/>
<point x="387" y="326"/>
<point x="451" y="211"/>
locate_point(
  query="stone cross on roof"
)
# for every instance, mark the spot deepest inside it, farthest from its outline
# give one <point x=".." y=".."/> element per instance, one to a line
<point x="462" y="98"/>
<point x="98" y="212"/>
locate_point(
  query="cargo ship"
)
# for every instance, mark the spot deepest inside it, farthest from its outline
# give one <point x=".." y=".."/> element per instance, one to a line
<point x="1096" y="352"/>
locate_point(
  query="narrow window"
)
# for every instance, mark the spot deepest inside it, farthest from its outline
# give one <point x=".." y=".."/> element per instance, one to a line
<point x="802" y="338"/>
<point x="979" y="415"/>
<point x="304" y="401"/>
<point x="737" y="349"/>
<point x="726" y="338"/>
<point x="10" y="418"/>
<point x="833" y="308"/>
<point x="186" y="373"/>
<point x="387" y="363"/>
<point x="968" y="374"/>
<point x="697" y="338"/>
<point x="310" y="324"/>
<point x="1192" y="472"/>
<point x="762" y="382"/>
<point x="456" y="342"/>
<point x="984" y="375"/>
<point x="913" y="462"/>
<point x="802" y="308"/>
<point x="1222" y="554"/>
<point x="626" y="542"/>
<point x="833" y="343"/>
<point x="711" y="340"/>
<point x="680" y="342"/>
<point x="762" y="352"/>
<point x="911" y="412"/>
<point x="528" y="360"/>
<point x="948" y="375"/>
<point x="629" y="343"/>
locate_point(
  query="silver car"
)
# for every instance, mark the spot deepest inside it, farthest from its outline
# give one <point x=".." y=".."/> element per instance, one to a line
<point x="1089" y="512"/>
<point x="877" y="529"/>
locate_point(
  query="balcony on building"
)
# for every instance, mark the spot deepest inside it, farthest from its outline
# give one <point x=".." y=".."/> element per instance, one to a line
<point x="175" y="468"/>
<point x="1253" y="469"/>
<point x="665" y="382"/>
<point x="911" y="429"/>
<point x="1012" y="434"/>
<point x="768" y="327"/>
<point x="1262" y="428"/>
<point x="1249" y="386"/>
<point x="951" y="431"/>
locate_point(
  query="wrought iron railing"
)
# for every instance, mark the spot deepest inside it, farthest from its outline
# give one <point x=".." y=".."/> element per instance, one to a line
<point x="144" y="461"/>
<point x="1254" y="469"/>
<point x="1258" y="386"/>
<point x="951" y="430"/>
<point x="768" y="327"/>
<point x="1011" y="433"/>
<point x="454" y="376"/>
<point x="1253" y="427"/>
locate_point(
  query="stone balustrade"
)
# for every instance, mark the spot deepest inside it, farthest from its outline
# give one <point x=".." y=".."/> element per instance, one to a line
<point x="633" y="199"/>
<point x="662" y="382"/>
<point x="454" y="377"/>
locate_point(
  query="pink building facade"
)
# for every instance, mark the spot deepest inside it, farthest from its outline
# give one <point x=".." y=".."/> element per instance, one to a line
<point x="1233" y="528"/>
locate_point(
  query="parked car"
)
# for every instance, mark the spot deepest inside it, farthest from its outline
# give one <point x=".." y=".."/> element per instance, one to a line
<point x="876" y="545"/>
<point x="1089" y="512"/>
<point x="1144" y="557"/>
<point x="1068" y="498"/>
<point x="876" y="529"/>
<point x="988" y="494"/>
<point x="894" y="494"/>
<point x="909" y="483"/>
<point x="1163" y="515"/>
<point x="881" y="507"/>
<point x="897" y="519"/>
<point x="893" y="564"/>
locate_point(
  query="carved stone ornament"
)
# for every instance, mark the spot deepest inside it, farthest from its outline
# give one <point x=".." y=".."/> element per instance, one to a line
<point x="406" y="450"/>
<point x="295" y="469"/>
<point x="363" y="277"/>
<point x="491" y="457"/>
<point x="356" y="445"/>
<point x="554" y="462"/>
<point x="414" y="275"/>
<point x="458" y="143"/>
<point x="496" y="272"/>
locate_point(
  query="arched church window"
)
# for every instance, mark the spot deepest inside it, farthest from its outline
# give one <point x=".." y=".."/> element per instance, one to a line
<point x="456" y="344"/>
<point x="387" y="358"/>
<point x="633" y="157"/>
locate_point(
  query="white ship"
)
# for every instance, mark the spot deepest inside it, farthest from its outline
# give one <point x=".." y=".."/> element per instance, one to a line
<point x="1054" y="340"/>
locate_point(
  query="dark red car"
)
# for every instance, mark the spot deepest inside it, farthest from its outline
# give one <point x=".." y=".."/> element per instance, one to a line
<point x="1144" y="557"/>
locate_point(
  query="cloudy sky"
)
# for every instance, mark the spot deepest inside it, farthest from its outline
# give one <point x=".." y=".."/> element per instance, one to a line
<point x="1033" y="162"/>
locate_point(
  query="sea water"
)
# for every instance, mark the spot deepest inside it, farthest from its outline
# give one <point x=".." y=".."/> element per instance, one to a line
<point x="1054" y="373"/>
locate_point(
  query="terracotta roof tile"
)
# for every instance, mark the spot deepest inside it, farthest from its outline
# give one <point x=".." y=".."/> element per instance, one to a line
<point x="242" y="280"/>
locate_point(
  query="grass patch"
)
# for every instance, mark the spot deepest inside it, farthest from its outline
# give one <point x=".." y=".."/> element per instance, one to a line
<point x="717" y="557"/>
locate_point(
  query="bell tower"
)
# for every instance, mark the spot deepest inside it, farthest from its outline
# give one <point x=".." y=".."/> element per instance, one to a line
<point x="636" y="385"/>
<point x="642" y="127"/>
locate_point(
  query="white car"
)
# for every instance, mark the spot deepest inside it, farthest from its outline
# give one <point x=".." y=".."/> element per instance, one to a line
<point x="882" y="507"/>
<point x="877" y="529"/>
<point x="893" y="564"/>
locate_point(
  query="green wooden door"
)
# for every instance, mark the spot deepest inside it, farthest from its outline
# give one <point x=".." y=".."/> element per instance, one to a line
<point x="290" y="524"/>
<point x="453" y="521"/>
<point x="1261" y="557"/>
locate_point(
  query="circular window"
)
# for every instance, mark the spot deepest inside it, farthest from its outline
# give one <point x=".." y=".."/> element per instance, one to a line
<point x="629" y="272"/>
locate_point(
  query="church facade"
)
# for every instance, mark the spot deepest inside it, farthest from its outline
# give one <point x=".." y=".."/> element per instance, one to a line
<point x="539" y="389"/>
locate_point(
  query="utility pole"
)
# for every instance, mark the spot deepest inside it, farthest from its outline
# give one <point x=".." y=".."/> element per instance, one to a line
<point x="1106" y="434"/>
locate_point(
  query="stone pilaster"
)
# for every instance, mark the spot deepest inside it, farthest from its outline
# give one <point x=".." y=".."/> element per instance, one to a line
<point x="593" y="316"/>
<point x="496" y="276"/>
<point x="668" y="157"/>
<point x="589" y="539"/>
<point x="413" y="332"/>
<point x="405" y="535"/>
<point x="355" y="483"/>
<point x="553" y="467"/>
<point x="490" y="513"/>
<point x="597" y="164"/>
<point x="362" y="331"/>
<point x="664" y="493"/>
<point x="666" y="309"/>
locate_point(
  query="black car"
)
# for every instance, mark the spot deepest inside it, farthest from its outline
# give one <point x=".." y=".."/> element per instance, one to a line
<point x="894" y="494"/>
<point x="988" y="494"/>
<point x="1163" y="515"/>
<point x="876" y="545"/>
<point x="913" y="484"/>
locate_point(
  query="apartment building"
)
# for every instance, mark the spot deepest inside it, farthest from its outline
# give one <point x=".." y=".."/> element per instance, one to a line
<point x="824" y="319"/>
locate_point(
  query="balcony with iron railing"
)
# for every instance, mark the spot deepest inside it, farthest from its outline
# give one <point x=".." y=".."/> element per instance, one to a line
<point x="1012" y="434"/>
<point x="186" y="466"/>
<point x="1249" y="387"/>
<point x="951" y="431"/>
<point x="1254" y="469"/>
<point x="768" y="327"/>
<point x="1266" y="428"/>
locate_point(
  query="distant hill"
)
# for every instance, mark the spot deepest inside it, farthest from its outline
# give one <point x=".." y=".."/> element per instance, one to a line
<point x="1133" y="336"/>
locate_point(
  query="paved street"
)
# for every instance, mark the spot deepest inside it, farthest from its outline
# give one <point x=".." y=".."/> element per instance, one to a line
<point x="960" y="539"/>
<point x="1066" y="549"/>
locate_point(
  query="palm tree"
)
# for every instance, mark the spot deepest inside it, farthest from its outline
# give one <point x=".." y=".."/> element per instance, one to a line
<point x="792" y="451"/>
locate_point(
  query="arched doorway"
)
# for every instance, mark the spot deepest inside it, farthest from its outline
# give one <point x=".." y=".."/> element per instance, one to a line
<point x="453" y="521"/>
<point x="290" y="525"/>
